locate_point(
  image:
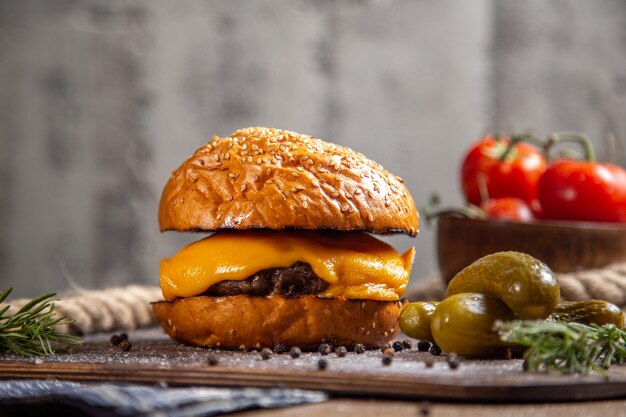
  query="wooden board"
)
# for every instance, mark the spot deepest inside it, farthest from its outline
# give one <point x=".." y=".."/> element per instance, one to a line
<point x="154" y="359"/>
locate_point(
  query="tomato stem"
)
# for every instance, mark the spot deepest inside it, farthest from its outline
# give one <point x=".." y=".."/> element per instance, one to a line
<point x="522" y="137"/>
<point x="572" y="137"/>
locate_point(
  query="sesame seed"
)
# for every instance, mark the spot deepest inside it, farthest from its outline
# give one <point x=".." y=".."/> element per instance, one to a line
<point x="227" y="156"/>
<point x="357" y="192"/>
<point x="348" y="195"/>
<point x="301" y="187"/>
<point x="232" y="332"/>
<point x="305" y="204"/>
<point x="309" y="161"/>
<point x="370" y="217"/>
<point x="229" y="198"/>
<point x="219" y="216"/>
<point x="335" y="194"/>
<point x="345" y="208"/>
<point x="255" y="178"/>
<point x="232" y="175"/>
<point x="249" y="159"/>
<point x="300" y="169"/>
<point x="387" y="203"/>
<point x="291" y="159"/>
<point x="200" y="162"/>
<point x="268" y="171"/>
<point x="258" y="161"/>
<point x="243" y="187"/>
<point x="216" y="157"/>
<point x="316" y="183"/>
<point x="295" y="174"/>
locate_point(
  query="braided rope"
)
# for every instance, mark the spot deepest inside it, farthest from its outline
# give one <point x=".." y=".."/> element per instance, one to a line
<point x="128" y="308"/>
<point x="118" y="308"/>
<point x="608" y="283"/>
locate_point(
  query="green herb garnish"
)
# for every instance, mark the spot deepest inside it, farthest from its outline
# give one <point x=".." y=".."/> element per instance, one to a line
<point x="566" y="348"/>
<point x="31" y="331"/>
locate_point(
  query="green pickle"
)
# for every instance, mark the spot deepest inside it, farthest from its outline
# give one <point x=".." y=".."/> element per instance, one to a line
<point x="415" y="319"/>
<point x="523" y="283"/>
<point x="598" y="312"/>
<point x="463" y="324"/>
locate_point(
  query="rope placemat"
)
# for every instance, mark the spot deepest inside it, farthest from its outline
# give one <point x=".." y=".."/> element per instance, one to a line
<point x="117" y="308"/>
<point x="128" y="308"/>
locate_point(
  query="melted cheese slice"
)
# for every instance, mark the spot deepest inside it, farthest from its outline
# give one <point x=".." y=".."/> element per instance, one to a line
<point x="356" y="265"/>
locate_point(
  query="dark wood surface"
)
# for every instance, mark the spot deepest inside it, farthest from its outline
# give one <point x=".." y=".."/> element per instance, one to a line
<point x="564" y="246"/>
<point x="155" y="359"/>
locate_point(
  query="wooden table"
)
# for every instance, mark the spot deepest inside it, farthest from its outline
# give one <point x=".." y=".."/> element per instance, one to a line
<point x="358" y="384"/>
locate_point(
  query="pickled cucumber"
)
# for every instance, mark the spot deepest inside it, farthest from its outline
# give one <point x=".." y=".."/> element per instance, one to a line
<point x="463" y="324"/>
<point x="523" y="283"/>
<point x="598" y="312"/>
<point x="415" y="319"/>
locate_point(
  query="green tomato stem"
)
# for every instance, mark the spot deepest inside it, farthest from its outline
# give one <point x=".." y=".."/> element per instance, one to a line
<point x="573" y="137"/>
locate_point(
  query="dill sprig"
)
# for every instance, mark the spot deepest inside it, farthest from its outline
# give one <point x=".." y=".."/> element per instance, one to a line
<point x="566" y="347"/>
<point x="31" y="331"/>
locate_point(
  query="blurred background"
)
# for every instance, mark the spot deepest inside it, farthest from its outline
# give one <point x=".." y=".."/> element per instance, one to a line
<point x="101" y="99"/>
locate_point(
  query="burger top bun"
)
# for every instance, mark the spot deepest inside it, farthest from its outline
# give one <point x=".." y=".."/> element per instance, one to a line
<point x="260" y="178"/>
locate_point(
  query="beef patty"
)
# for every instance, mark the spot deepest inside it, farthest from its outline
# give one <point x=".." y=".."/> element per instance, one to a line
<point x="297" y="279"/>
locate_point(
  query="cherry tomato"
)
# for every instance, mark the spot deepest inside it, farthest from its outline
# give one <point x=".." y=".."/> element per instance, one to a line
<point x="583" y="190"/>
<point x="515" y="176"/>
<point x="508" y="208"/>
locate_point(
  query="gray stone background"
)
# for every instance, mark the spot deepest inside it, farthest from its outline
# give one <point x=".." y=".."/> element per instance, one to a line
<point x="101" y="99"/>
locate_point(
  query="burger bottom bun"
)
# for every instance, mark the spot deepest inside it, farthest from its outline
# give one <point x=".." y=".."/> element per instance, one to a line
<point x="245" y="322"/>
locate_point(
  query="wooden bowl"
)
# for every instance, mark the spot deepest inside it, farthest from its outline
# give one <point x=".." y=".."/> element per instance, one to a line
<point x="563" y="246"/>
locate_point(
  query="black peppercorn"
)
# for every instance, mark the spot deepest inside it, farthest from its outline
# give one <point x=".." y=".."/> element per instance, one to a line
<point x="116" y="339"/>
<point x="324" y="348"/>
<point x="453" y="361"/>
<point x="125" y="345"/>
<point x="397" y="346"/>
<point x="212" y="360"/>
<point x="341" y="351"/>
<point x="359" y="349"/>
<point x="387" y="359"/>
<point x="423" y="346"/>
<point x="407" y="344"/>
<point x="295" y="352"/>
<point x="279" y="348"/>
<point x="322" y="364"/>
<point x="435" y="350"/>
<point x="266" y="354"/>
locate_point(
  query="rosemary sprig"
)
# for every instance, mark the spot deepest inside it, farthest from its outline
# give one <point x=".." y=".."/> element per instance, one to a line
<point x="566" y="348"/>
<point x="31" y="331"/>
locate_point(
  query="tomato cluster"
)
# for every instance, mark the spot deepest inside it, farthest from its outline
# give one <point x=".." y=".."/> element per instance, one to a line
<point x="513" y="180"/>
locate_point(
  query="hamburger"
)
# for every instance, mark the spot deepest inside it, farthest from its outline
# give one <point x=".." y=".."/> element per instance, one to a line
<point x="292" y="259"/>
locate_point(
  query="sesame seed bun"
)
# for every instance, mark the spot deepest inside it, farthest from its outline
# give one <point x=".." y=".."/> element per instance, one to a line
<point x="260" y="178"/>
<point x="245" y="322"/>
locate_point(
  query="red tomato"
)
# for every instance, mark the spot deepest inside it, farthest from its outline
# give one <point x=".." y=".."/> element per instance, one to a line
<point x="515" y="176"/>
<point x="582" y="190"/>
<point x="508" y="208"/>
